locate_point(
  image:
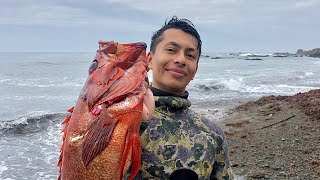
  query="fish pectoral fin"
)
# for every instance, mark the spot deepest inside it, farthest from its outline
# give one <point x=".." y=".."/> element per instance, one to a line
<point x="135" y="155"/>
<point x="127" y="148"/>
<point x="97" y="139"/>
<point x="133" y="147"/>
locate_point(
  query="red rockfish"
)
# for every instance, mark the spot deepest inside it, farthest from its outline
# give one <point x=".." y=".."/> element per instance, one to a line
<point x="101" y="135"/>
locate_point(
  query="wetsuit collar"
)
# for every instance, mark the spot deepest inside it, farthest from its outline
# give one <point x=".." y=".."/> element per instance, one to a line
<point x="158" y="92"/>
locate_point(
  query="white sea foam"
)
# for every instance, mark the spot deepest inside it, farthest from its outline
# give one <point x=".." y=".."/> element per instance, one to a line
<point x="41" y="97"/>
<point x="233" y="84"/>
<point x="241" y="85"/>
<point x="277" y="89"/>
<point x="316" y="62"/>
<point x="43" y="82"/>
<point x="309" y="74"/>
<point x="305" y="75"/>
<point x="4" y="80"/>
<point x="33" y="83"/>
<point x="2" y="167"/>
<point x="10" y="124"/>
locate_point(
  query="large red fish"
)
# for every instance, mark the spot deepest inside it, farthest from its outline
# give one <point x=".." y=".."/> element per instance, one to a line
<point x="101" y="135"/>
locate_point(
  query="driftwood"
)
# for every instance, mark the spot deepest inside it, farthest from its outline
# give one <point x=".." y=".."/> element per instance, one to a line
<point x="270" y="125"/>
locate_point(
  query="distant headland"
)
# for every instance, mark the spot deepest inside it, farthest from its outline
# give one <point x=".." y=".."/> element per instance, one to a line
<point x="311" y="53"/>
<point x="315" y="53"/>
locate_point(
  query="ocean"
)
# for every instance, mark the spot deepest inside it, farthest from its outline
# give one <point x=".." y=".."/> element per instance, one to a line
<point x="36" y="89"/>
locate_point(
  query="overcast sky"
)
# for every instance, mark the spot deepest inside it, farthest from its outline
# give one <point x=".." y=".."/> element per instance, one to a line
<point x="224" y="25"/>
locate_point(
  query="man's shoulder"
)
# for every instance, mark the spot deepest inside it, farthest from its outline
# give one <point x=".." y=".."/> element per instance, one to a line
<point x="186" y="120"/>
<point x="204" y="120"/>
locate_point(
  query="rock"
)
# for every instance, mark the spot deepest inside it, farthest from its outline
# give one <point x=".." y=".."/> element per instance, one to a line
<point x="315" y="163"/>
<point x="257" y="175"/>
<point x="234" y="165"/>
<point x="253" y="59"/>
<point x="280" y="54"/>
<point x="311" y="53"/>
<point x="300" y="52"/>
<point x="216" y="57"/>
<point x="282" y="173"/>
<point x="204" y="56"/>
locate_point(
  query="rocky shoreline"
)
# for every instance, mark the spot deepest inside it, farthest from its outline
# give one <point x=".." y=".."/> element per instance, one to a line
<point x="275" y="137"/>
<point x="311" y="53"/>
<point x="314" y="53"/>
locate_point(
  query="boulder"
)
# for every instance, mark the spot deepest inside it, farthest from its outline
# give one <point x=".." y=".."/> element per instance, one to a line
<point x="311" y="53"/>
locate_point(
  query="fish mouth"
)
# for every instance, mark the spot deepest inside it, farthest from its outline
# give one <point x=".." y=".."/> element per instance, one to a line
<point x="99" y="106"/>
<point x="96" y="110"/>
<point x="108" y="90"/>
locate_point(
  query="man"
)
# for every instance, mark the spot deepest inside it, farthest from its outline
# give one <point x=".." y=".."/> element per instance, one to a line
<point x="178" y="143"/>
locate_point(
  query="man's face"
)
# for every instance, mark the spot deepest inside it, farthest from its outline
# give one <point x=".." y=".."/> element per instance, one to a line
<point x="174" y="62"/>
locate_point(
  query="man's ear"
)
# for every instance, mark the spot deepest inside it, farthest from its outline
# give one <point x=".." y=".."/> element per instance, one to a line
<point x="149" y="60"/>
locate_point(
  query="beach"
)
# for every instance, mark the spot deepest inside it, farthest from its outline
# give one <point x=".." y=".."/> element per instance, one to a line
<point x="275" y="137"/>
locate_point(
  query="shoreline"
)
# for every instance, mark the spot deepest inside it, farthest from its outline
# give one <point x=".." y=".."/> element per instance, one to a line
<point x="274" y="137"/>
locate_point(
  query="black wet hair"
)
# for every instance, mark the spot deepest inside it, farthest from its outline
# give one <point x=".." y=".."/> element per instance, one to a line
<point x="175" y="23"/>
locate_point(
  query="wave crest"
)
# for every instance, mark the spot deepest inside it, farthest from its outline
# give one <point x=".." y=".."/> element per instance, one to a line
<point x="30" y="124"/>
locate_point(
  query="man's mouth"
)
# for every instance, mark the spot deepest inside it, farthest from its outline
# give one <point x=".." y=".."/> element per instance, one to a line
<point x="176" y="72"/>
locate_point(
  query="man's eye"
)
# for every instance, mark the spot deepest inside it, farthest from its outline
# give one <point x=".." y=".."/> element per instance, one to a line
<point x="191" y="56"/>
<point x="170" y="50"/>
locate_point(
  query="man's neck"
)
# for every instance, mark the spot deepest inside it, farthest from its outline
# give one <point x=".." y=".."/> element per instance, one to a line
<point x="158" y="92"/>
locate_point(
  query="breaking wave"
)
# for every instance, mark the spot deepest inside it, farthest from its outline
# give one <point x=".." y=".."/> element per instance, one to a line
<point x="238" y="85"/>
<point x="36" y="122"/>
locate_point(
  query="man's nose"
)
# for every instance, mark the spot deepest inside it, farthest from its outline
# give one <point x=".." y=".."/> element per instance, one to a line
<point x="180" y="59"/>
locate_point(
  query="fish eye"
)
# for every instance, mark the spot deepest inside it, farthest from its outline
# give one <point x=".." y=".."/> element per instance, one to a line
<point x="93" y="66"/>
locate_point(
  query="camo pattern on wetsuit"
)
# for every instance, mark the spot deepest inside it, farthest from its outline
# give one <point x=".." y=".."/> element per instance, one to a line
<point x="176" y="137"/>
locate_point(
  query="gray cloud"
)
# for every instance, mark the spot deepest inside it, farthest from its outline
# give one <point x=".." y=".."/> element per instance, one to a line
<point x="66" y="14"/>
<point x="231" y="22"/>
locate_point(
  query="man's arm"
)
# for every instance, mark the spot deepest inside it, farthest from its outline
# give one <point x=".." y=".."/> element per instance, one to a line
<point x="221" y="168"/>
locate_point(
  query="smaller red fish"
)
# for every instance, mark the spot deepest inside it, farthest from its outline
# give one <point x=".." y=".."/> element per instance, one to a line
<point x="101" y="136"/>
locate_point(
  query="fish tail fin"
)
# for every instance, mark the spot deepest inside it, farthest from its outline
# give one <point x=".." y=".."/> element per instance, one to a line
<point x="97" y="139"/>
<point x="135" y="155"/>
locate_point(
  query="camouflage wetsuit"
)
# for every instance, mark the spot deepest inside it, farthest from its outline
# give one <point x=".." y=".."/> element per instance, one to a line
<point x="176" y="137"/>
